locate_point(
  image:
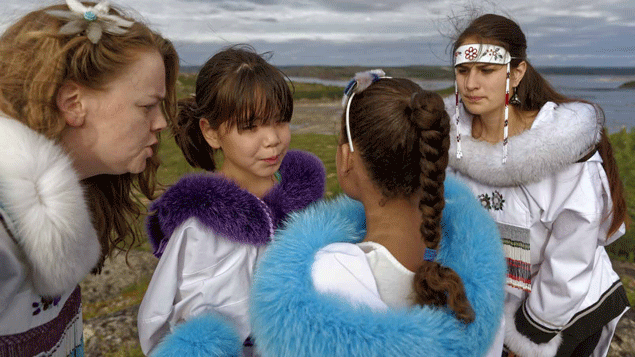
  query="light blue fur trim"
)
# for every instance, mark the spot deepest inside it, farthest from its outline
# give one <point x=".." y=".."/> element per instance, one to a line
<point x="289" y="318"/>
<point x="204" y="336"/>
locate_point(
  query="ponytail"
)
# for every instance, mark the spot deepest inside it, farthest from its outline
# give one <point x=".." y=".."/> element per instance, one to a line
<point x="435" y="284"/>
<point x="189" y="137"/>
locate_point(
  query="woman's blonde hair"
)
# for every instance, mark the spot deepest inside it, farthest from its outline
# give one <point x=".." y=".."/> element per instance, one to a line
<point x="36" y="60"/>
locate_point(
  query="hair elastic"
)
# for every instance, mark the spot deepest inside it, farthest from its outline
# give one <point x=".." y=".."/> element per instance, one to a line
<point x="430" y="255"/>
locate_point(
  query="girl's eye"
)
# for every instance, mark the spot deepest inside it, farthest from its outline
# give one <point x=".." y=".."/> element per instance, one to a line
<point x="461" y="70"/>
<point x="487" y="70"/>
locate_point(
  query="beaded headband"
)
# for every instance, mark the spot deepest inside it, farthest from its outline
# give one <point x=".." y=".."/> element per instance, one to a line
<point x="360" y="82"/>
<point x="482" y="53"/>
<point x="93" y="20"/>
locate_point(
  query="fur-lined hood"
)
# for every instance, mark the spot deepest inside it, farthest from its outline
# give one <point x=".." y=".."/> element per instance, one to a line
<point x="560" y="135"/>
<point x="45" y="209"/>
<point x="290" y="318"/>
<point x="232" y="211"/>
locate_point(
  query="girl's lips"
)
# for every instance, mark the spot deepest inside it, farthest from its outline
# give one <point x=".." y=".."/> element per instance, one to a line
<point x="272" y="160"/>
<point x="473" y="99"/>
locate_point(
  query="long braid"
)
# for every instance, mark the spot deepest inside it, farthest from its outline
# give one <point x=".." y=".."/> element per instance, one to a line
<point x="400" y="128"/>
<point x="435" y="284"/>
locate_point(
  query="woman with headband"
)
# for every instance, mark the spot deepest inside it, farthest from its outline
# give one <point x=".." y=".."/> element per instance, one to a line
<point x="542" y="165"/>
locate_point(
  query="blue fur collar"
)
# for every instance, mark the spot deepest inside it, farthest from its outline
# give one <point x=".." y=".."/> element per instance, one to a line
<point x="231" y="211"/>
<point x="289" y="318"/>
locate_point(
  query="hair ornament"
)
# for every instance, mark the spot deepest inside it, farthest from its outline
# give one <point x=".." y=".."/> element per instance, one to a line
<point x="361" y="81"/>
<point x="92" y="20"/>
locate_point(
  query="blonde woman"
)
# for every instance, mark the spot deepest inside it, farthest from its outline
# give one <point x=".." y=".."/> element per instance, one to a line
<point x="84" y="92"/>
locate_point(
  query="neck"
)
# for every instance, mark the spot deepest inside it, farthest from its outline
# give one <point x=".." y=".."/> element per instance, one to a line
<point x="256" y="185"/>
<point x="490" y="126"/>
<point x="395" y="225"/>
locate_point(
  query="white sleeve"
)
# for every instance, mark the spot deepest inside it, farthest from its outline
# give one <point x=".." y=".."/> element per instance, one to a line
<point x="12" y="270"/>
<point x="341" y="269"/>
<point x="199" y="272"/>
<point x="573" y="213"/>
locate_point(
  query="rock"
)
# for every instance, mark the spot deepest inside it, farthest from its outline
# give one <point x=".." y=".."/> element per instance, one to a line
<point x="623" y="343"/>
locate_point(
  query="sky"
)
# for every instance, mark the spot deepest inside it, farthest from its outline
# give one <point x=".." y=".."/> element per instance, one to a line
<point x="379" y="32"/>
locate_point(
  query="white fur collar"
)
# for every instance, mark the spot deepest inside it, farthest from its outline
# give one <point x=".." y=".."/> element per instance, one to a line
<point x="560" y="135"/>
<point x="50" y="221"/>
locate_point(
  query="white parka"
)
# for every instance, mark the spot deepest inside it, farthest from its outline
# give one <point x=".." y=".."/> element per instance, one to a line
<point x="553" y="213"/>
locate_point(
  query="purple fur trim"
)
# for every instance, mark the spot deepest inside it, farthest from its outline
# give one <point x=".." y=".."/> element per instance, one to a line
<point x="231" y="211"/>
<point x="303" y="181"/>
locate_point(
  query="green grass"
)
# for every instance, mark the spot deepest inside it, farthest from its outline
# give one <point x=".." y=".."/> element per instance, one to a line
<point x="324" y="147"/>
<point x="316" y="91"/>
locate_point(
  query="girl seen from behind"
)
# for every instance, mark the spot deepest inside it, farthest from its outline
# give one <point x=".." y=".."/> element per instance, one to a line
<point x="543" y="167"/>
<point x="407" y="265"/>
<point x="210" y="229"/>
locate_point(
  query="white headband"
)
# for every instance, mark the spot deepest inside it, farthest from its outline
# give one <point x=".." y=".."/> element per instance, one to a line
<point x="481" y="53"/>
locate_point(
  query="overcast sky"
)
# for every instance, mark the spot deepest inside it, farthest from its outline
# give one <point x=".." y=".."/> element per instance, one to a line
<point x="379" y="32"/>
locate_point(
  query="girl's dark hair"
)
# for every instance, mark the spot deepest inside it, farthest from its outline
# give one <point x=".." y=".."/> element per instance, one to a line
<point x="236" y="87"/>
<point x="534" y="91"/>
<point x="402" y="133"/>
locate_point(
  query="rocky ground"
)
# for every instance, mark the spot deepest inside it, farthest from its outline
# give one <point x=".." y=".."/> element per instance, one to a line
<point x="111" y="300"/>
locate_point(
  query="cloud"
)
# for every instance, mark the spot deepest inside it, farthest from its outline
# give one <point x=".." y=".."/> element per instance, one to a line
<point x="385" y="30"/>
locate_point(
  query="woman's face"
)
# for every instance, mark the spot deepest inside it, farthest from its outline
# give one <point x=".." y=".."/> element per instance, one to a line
<point x="119" y="130"/>
<point x="482" y="87"/>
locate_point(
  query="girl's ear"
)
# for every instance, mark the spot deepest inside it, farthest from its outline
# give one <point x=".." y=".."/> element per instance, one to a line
<point x="212" y="136"/>
<point x="344" y="159"/>
<point x="518" y="73"/>
<point x="70" y="103"/>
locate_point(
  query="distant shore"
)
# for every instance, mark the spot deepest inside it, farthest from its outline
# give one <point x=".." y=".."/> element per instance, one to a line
<point x="429" y="72"/>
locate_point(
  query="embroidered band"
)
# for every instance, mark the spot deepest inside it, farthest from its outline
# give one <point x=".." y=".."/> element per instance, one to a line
<point x="481" y="53"/>
<point x="430" y="255"/>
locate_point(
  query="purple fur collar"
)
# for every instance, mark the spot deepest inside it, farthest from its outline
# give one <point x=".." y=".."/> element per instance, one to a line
<point x="231" y="211"/>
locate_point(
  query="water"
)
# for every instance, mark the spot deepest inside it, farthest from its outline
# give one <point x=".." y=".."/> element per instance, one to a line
<point x="618" y="104"/>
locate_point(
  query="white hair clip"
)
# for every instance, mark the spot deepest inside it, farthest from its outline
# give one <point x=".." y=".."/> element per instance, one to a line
<point x="94" y="20"/>
<point x="361" y="81"/>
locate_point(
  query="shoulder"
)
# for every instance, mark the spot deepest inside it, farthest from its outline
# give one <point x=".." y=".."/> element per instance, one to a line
<point x="216" y="202"/>
<point x="302" y="163"/>
<point x="302" y="182"/>
<point x="44" y="201"/>
<point x="342" y="270"/>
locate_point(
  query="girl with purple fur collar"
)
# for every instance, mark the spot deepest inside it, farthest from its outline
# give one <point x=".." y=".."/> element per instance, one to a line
<point x="209" y="230"/>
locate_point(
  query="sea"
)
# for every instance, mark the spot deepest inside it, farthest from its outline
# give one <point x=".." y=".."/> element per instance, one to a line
<point x="618" y="103"/>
